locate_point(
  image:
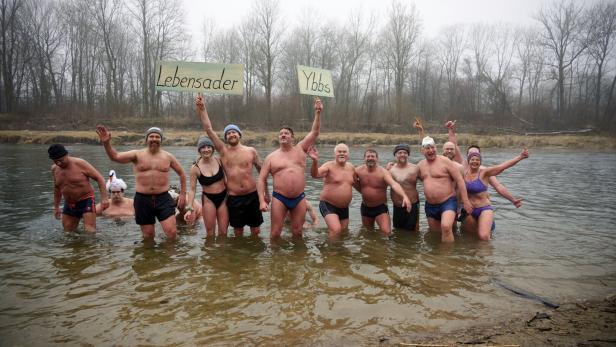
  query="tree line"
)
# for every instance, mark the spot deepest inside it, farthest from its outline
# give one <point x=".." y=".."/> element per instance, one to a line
<point x="85" y="60"/>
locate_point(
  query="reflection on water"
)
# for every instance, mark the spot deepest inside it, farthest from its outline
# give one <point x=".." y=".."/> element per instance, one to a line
<point x="112" y="288"/>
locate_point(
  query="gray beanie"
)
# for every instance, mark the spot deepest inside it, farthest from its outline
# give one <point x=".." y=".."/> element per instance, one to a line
<point x="204" y="141"/>
<point x="153" y="130"/>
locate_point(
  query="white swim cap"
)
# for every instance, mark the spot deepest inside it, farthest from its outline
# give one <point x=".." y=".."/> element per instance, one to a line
<point x="427" y="142"/>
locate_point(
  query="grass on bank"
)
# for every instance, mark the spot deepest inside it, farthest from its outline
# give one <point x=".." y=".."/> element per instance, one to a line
<point x="189" y="138"/>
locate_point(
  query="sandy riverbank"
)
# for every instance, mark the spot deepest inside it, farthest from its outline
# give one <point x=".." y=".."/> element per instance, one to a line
<point x="189" y="138"/>
<point x="572" y="324"/>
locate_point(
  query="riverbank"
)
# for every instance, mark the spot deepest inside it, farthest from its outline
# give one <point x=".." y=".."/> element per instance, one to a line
<point x="572" y="324"/>
<point x="189" y="138"/>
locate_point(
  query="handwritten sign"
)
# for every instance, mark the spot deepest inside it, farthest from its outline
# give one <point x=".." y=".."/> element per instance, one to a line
<point x="313" y="81"/>
<point x="200" y="77"/>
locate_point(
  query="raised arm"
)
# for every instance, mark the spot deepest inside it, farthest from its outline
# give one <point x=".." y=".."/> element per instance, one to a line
<point x="91" y="172"/>
<point x="262" y="185"/>
<point x="175" y="165"/>
<point x="104" y="136"/>
<point x="315" y="170"/>
<point x="451" y="137"/>
<point x="417" y="125"/>
<point x="495" y="170"/>
<point x="311" y="137"/>
<point x="504" y="192"/>
<point x="207" y="124"/>
<point x="189" y="216"/>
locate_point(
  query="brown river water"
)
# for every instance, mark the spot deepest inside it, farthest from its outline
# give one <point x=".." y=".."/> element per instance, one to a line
<point x="109" y="288"/>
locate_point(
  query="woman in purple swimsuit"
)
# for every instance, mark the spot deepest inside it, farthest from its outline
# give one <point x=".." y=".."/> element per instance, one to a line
<point x="476" y="179"/>
<point x="209" y="172"/>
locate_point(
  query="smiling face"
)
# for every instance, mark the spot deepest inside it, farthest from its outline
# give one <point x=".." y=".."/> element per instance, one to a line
<point x="285" y="136"/>
<point x="449" y="150"/>
<point x="474" y="162"/>
<point x="232" y="137"/>
<point x="402" y="156"/>
<point x="341" y="153"/>
<point x="371" y="158"/>
<point x="429" y="152"/>
<point x="153" y="140"/>
<point x="206" y="151"/>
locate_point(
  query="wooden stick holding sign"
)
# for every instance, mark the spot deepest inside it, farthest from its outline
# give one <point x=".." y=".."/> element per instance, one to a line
<point x="200" y="77"/>
<point x="313" y="81"/>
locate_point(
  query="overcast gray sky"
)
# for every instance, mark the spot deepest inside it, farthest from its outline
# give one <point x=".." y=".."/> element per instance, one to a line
<point x="434" y="14"/>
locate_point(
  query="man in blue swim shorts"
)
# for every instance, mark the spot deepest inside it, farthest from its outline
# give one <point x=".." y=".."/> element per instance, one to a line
<point x="287" y="165"/>
<point x="71" y="181"/>
<point x="440" y="178"/>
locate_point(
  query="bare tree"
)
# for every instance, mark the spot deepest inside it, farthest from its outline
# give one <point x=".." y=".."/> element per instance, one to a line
<point x="562" y="36"/>
<point x="268" y="26"/>
<point x="399" y="37"/>
<point x="452" y="42"/>
<point x="602" y="17"/>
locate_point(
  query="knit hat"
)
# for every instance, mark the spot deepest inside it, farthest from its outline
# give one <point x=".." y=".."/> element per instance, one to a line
<point x="232" y="127"/>
<point x="156" y="130"/>
<point x="204" y="141"/>
<point x="402" y="147"/>
<point x="56" y="151"/>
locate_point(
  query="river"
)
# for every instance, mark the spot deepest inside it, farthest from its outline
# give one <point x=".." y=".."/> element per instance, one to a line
<point x="108" y="288"/>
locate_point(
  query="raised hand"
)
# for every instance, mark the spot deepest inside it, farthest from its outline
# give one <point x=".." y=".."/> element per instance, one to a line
<point x="450" y="124"/>
<point x="417" y="124"/>
<point x="200" y="102"/>
<point x="313" y="153"/>
<point x="104" y="135"/>
<point x="318" y="105"/>
<point x="524" y="154"/>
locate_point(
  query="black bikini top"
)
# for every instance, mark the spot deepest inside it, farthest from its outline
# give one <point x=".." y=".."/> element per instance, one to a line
<point x="209" y="180"/>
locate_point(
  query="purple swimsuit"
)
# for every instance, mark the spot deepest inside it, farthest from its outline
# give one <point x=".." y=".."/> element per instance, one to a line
<point x="476" y="186"/>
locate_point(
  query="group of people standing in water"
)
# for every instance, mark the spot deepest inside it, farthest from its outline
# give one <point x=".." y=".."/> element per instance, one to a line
<point x="231" y="195"/>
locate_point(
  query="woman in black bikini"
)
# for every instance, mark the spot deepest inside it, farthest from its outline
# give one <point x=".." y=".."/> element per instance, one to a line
<point x="208" y="171"/>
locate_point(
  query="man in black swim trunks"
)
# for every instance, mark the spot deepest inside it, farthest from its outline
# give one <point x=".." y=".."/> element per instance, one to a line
<point x="338" y="179"/>
<point x="373" y="181"/>
<point x="237" y="162"/>
<point x="71" y="180"/>
<point x="151" y="167"/>
<point x="405" y="173"/>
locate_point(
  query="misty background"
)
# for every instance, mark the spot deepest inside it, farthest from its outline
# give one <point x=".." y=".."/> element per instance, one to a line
<point x="70" y="64"/>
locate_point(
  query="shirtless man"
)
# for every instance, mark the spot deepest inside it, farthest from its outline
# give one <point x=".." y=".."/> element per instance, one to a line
<point x="287" y="165"/>
<point x="237" y="162"/>
<point x="492" y="180"/>
<point x="440" y="178"/>
<point x="405" y="173"/>
<point x="372" y="183"/>
<point x="151" y="167"/>
<point x="338" y="179"/>
<point x="119" y="205"/>
<point x="71" y="181"/>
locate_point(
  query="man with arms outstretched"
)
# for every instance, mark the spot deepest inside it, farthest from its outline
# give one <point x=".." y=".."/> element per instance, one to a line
<point x="287" y="165"/>
<point x="338" y="179"/>
<point x="372" y="183"/>
<point x="237" y="162"/>
<point x="151" y="167"/>
<point x="71" y="181"/>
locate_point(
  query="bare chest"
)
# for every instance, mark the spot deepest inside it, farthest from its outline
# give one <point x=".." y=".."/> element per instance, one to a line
<point x="157" y="162"/>
<point x="283" y="160"/>
<point x="371" y="179"/>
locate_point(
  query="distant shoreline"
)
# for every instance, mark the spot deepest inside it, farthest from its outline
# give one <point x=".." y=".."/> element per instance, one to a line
<point x="189" y="138"/>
